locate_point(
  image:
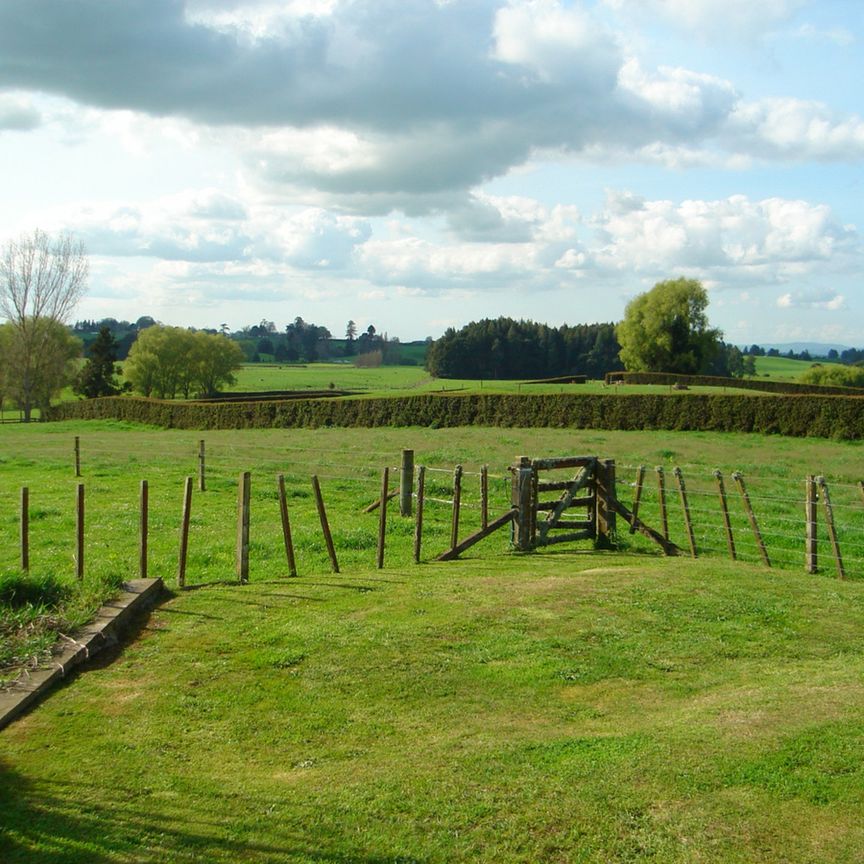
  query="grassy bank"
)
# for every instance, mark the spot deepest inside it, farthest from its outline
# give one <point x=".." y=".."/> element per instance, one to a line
<point x="558" y="708"/>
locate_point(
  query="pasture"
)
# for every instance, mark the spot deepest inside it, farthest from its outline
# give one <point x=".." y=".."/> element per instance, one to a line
<point x="569" y="705"/>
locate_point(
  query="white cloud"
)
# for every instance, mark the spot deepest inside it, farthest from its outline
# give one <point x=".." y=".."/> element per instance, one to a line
<point x="18" y="113"/>
<point x="823" y="298"/>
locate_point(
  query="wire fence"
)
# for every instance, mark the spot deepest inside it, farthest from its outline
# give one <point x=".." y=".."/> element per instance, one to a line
<point x="777" y="527"/>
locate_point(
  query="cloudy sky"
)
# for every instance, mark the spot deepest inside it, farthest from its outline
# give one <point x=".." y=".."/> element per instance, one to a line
<point x="416" y="164"/>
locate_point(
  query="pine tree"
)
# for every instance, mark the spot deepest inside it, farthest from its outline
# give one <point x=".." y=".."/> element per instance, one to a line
<point x="98" y="377"/>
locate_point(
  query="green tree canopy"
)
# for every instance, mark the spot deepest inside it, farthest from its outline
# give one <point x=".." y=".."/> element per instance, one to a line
<point x="99" y="375"/>
<point x="666" y="330"/>
<point x="167" y="361"/>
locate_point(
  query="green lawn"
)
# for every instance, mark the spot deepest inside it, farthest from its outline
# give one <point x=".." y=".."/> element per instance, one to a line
<point x="566" y="707"/>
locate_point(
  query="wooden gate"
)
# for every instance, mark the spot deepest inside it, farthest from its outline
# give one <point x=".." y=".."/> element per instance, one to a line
<point x="542" y="520"/>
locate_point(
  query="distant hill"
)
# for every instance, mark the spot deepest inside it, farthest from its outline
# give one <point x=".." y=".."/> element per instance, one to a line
<point x="816" y="349"/>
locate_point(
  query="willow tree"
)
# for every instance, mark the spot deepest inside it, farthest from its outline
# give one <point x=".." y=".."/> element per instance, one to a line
<point x="42" y="278"/>
<point x="666" y="329"/>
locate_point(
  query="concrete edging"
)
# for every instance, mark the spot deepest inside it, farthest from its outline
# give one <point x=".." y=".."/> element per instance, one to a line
<point x="105" y="630"/>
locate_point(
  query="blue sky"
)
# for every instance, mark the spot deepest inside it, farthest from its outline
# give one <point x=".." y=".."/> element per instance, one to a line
<point x="423" y="163"/>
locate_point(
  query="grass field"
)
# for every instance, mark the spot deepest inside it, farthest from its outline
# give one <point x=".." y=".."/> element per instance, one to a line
<point x="782" y="368"/>
<point x="568" y="706"/>
<point x="561" y="708"/>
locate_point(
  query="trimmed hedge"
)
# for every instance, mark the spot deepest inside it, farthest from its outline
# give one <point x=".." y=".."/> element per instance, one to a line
<point x="800" y="416"/>
<point x="788" y="387"/>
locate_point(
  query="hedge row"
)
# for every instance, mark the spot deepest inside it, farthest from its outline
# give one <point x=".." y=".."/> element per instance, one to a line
<point x="820" y="416"/>
<point x="788" y="387"/>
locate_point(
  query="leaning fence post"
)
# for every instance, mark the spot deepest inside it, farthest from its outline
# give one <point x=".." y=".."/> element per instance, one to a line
<point x="457" y="504"/>
<point x="244" y="498"/>
<point x="184" y="532"/>
<point x="811" y="553"/>
<point x="661" y="484"/>
<point x="325" y="525"/>
<point x="724" y="507"/>
<point x="418" y="518"/>
<point x="79" y="531"/>
<point x="286" y="525"/>
<point x="682" y="491"/>
<point x="143" y="518"/>
<point x="25" y="528"/>
<point x="637" y="497"/>
<point x="739" y="480"/>
<point x="382" y="517"/>
<point x="406" y="483"/>
<point x="832" y="531"/>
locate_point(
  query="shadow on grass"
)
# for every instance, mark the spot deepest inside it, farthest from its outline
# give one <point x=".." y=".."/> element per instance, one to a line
<point x="55" y="822"/>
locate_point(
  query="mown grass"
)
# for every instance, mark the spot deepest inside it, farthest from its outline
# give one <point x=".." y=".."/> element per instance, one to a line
<point x="560" y="707"/>
<point x="116" y="457"/>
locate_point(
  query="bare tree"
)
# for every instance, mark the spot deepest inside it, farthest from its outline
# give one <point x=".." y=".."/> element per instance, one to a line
<point x="42" y="278"/>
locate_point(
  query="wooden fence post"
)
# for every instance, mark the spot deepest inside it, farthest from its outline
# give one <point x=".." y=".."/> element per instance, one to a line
<point x="484" y="496"/>
<point x="457" y="505"/>
<point x="811" y="554"/>
<point x="325" y="525"/>
<point x="244" y="498"/>
<point x="682" y="491"/>
<point x="143" y="520"/>
<point x="25" y="528"/>
<point x="521" y="499"/>
<point x="739" y="480"/>
<point x="286" y="525"/>
<point x="382" y="515"/>
<point x="637" y="497"/>
<point x="832" y="531"/>
<point x="724" y="506"/>
<point x="77" y="456"/>
<point x="184" y="532"/>
<point x="79" y="531"/>
<point x="418" y="523"/>
<point x="604" y="493"/>
<point x="406" y="483"/>
<point x="201" y="467"/>
<point x="661" y="485"/>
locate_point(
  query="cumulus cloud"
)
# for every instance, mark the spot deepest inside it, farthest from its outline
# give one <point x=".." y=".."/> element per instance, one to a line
<point x="406" y="104"/>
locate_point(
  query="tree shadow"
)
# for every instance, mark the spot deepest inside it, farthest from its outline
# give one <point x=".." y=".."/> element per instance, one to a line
<point x="56" y="822"/>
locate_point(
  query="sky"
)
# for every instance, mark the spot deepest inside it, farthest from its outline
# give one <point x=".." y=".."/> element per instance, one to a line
<point x="420" y="164"/>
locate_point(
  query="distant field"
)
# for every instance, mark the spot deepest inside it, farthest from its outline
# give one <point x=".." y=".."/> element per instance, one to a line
<point x="782" y="368"/>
